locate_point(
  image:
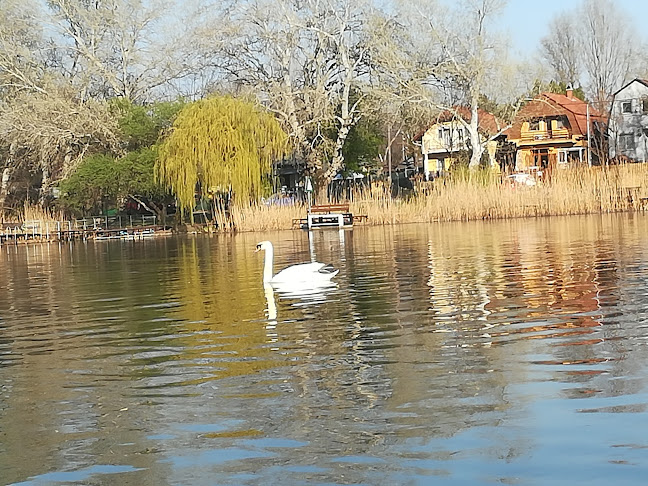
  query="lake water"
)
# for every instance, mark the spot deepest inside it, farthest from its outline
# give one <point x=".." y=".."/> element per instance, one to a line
<point x="480" y="353"/>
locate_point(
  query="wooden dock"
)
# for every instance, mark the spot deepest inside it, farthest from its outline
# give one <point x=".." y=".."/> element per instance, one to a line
<point x="99" y="228"/>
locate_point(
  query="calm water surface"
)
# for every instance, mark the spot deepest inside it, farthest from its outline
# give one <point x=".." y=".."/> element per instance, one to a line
<point x="481" y="353"/>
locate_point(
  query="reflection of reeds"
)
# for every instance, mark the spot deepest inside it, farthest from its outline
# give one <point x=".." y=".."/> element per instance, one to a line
<point x="482" y="195"/>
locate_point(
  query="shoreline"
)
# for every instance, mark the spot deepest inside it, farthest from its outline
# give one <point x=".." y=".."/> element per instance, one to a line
<point x="462" y="196"/>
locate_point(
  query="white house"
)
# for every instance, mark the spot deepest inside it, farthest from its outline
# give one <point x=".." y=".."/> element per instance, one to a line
<point x="628" y="124"/>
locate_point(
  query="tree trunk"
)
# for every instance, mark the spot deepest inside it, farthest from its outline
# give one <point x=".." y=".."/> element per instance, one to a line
<point x="158" y="211"/>
<point x="4" y="188"/>
<point x="475" y="140"/>
<point x="337" y="163"/>
<point x="45" y="185"/>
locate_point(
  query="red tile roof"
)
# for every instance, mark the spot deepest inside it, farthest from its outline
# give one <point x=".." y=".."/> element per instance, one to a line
<point x="553" y="104"/>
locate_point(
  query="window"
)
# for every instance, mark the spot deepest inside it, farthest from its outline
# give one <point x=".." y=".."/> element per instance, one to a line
<point x="561" y="122"/>
<point x="534" y="125"/>
<point x="626" y="107"/>
<point x="644" y="105"/>
<point x="626" y="141"/>
<point x="444" y="136"/>
<point x="562" y="157"/>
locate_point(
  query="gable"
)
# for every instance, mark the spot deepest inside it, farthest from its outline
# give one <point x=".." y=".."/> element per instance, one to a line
<point x="635" y="86"/>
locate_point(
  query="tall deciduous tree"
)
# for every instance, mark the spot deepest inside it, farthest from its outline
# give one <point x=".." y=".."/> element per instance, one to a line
<point x="222" y="144"/>
<point x="304" y="58"/>
<point x="126" y="176"/>
<point x="609" y="48"/>
<point x="598" y="39"/>
<point x="21" y="45"/>
<point x="21" y="70"/>
<point x="445" y="58"/>
<point x="47" y="134"/>
<point x="115" y="48"/>
<point x="561" y="49"/>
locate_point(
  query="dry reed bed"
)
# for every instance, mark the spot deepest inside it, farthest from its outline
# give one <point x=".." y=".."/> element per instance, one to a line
<point x="465" y="197"/>
<point x="36" y="213"/>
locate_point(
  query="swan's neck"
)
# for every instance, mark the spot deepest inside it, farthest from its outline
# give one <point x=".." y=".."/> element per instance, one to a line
<point x="267" y="265"/>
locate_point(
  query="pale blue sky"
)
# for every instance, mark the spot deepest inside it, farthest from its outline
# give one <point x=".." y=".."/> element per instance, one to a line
<point x="527" y="21"/>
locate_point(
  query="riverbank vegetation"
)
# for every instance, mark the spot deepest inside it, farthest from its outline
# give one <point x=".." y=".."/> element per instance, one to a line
<point x="103" y="105"/>
<point x="483" y="196"/>
<point x="464" y="196"/>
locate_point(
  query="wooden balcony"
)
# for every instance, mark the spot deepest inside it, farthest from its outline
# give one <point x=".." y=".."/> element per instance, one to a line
<point x="545" y="136"/>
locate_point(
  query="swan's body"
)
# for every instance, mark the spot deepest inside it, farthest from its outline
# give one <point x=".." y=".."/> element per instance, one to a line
<point x="314" y="273"/>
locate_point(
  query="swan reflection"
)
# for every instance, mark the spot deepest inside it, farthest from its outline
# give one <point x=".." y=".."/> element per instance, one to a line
<point x="299" y="295"/>
<point x="272" y="305"/>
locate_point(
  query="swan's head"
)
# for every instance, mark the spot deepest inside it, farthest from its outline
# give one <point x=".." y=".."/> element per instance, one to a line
<point x="263" y="245"/>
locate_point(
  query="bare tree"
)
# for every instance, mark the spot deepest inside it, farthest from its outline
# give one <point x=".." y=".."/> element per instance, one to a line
<point x="49" y="133"/>
<point x="561" y="47"/>
<point x="21" y="42"/>
<point x="595" y="42"/>
<point x="608" y="42"/>
<point x="445" y="58"/>
<point x="22" y="70"/>
<point x="116" y="47"/>
<point x="306" y="60"/>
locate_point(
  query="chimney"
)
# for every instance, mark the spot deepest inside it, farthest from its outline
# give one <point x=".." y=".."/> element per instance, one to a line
<point x="570" y="91"/>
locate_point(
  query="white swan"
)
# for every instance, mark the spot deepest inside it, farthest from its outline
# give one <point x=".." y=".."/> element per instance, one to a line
<point x="304" y="274"/>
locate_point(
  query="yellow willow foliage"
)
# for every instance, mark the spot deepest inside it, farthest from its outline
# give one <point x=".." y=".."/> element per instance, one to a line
<point x="223" y="143"/>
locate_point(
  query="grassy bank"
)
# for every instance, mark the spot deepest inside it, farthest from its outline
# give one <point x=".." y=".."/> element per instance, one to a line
<point x="482" y="195"/>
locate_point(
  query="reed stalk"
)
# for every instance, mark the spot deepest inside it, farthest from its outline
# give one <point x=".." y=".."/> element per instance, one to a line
<point x="37" y="213"/>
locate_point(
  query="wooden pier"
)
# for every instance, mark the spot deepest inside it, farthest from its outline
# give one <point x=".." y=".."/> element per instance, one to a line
<point x="98" y="228"/>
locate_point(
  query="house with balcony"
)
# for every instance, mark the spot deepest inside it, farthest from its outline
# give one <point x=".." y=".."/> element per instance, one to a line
<point x="447" y="139"/>
<point x="556" y="131"/>
<point x="628" y="124"/>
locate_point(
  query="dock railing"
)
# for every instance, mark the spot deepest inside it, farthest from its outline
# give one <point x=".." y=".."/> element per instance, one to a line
<point x="90" y="227"/>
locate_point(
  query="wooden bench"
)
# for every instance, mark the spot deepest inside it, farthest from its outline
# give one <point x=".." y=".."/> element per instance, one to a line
<point x="330" y="208"/>
<point x="329" y="215"/>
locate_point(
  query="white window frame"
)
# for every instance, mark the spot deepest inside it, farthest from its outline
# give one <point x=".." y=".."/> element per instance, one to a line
<point x="624" y="104"/>
<point x="562" y="157"/>
<point x="445" y="136"/>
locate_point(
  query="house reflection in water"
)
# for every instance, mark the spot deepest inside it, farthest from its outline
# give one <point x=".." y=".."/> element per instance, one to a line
<point x="536" y="285"/>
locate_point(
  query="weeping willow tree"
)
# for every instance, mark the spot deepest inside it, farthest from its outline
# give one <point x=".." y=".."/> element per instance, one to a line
<point x="220" y="144"/>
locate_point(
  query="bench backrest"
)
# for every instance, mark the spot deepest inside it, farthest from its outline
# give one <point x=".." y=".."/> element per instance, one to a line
<point x="330" y="208"/>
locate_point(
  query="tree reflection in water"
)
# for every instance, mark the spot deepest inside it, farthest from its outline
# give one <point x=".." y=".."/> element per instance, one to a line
<point x="470" y="351"/>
